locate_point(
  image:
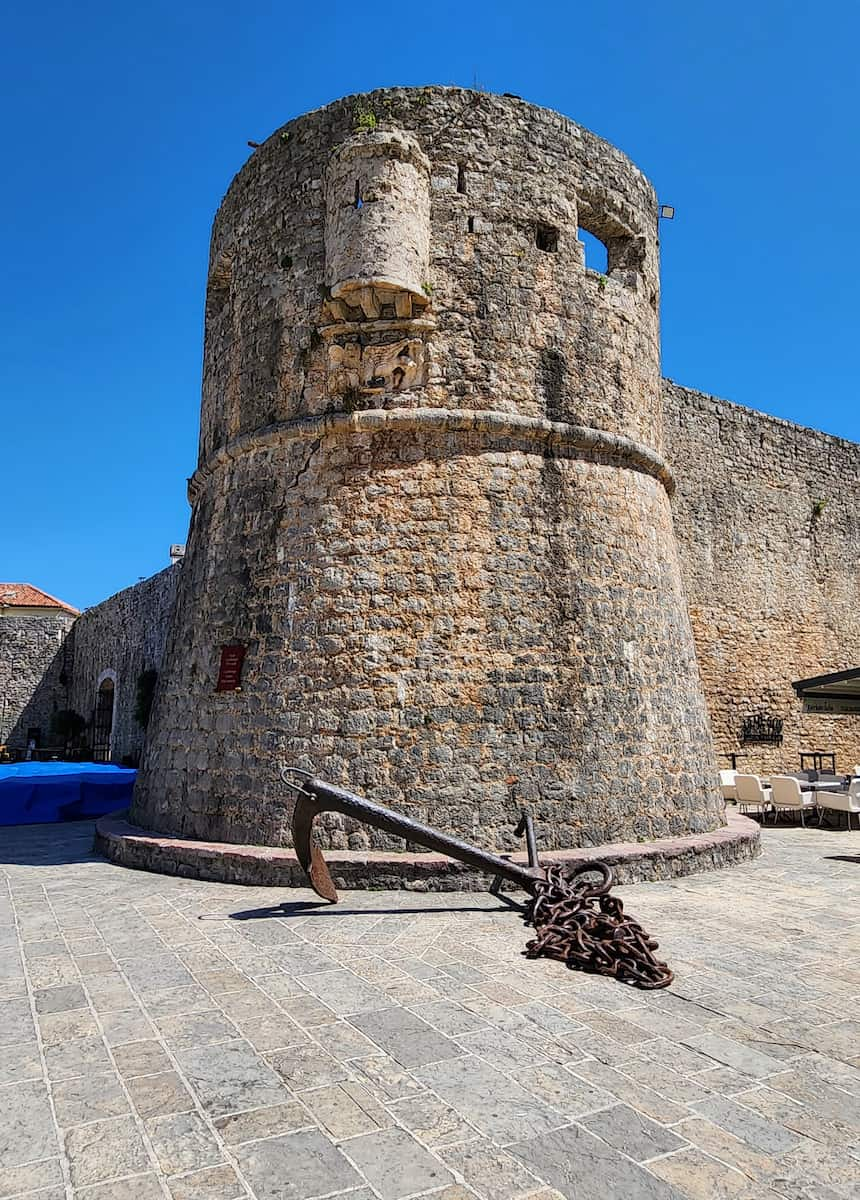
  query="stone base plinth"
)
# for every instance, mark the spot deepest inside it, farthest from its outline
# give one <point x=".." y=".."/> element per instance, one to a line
<point x="265" y="866"/>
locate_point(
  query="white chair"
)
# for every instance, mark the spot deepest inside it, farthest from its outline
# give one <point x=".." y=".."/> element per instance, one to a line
<point x="786" y="792"/>
<point x="847" y="802"/>
<point x="727" y="785"/>
<point x="752" y="793"/>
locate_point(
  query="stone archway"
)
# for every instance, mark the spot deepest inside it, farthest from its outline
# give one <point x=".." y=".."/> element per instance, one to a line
<point x="103" y="716"/>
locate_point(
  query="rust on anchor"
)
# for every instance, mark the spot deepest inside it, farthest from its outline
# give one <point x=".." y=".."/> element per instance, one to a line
<point x="576" y="920"/>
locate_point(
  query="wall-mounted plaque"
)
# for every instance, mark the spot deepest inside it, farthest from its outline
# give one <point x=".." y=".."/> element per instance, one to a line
<point x="230" y="670"/>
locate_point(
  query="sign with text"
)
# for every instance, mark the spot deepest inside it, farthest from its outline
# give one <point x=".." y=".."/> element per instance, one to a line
<point x="230" y="670"/>
<point x="831" y="704"/>
<point x="761" y="728"/>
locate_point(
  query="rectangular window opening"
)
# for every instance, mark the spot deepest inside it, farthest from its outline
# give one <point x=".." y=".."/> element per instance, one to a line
<point x="546" y="238"/>
<point x="596" y="255"/>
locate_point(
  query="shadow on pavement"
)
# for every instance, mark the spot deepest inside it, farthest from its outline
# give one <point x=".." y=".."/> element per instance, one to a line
<point x="49" y="845"/>
<point x="321" y="908"/>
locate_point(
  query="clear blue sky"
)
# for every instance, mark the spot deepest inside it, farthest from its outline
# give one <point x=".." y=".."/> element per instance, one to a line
<point x="123" y="125"/>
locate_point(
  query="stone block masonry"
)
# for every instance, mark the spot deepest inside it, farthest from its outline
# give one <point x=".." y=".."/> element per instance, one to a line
<point x="431" y="502"/>
<point x="766" y="516"/>
<point x="120" y="638"/>
<point x="33" y="674"/>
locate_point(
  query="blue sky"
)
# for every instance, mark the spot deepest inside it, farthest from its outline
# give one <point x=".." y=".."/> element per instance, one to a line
<point x="122" y="127"/>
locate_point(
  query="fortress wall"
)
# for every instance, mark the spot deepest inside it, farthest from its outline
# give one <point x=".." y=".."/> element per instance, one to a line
<point x="32" y="681"/>
<point x="125" y="634"/>
<point x="772" y="578"/>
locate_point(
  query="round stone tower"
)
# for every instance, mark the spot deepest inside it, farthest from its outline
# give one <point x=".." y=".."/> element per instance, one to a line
<point x="430" y="508"/>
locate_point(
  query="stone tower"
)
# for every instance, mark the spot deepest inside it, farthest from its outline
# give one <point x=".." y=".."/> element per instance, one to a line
<point x="430" y="504"/>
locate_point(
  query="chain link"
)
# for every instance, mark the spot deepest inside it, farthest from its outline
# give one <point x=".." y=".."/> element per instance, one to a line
<point x="578" y="923"/>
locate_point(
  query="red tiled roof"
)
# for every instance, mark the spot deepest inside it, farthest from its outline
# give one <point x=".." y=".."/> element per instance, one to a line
<point x="24" y="595"/>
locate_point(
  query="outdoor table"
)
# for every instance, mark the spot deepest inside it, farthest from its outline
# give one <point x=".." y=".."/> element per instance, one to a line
<point x="833" y="784"/>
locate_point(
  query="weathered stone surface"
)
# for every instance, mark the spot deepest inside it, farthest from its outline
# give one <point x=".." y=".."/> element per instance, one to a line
<point x="51" y="660"/>
<point x="455" y="579"/>
<point x="771" y="576"/>
<point x="230" y="1077"/>
<point x="395" y="1164"/>
<point x="577" y="1163"/>
<point x="124" y="635"/>
<point x="26" y="1128"/>
<point x="294" y="1166"/>
<point x="32" y="680"/>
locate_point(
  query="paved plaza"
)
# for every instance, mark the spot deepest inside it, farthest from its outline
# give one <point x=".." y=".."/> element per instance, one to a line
<point x="399" y="1044"/>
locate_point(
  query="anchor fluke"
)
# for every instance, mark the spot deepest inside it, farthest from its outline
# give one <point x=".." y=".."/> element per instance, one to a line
<point x="307" y="851"/>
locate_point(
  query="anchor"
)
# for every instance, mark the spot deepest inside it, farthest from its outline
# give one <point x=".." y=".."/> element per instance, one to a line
<point x="575" y="918"/>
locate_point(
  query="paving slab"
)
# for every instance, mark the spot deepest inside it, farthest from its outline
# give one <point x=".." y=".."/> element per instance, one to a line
<point x="396" y="1164"/>
<point x="260" y="1123"/>
<point x="433" y="1121"/>
<point x="45" y="1174"/>
<point x="296" y="1166"/>
<point x="491" y="1170"/>
<point x="405" y="1037"/>
<point x="92" y="1097"/>
<point x="105" y="1150"/>
<point x="491" y="1101"/>
<point x="578" y="1164"/>
<point x="745" y="1123"/>
<point x="631" y="1132"/>
<point x="230" y="1077"/>
<point x="212" y="1183"/>
<point x="27" y="1129"/>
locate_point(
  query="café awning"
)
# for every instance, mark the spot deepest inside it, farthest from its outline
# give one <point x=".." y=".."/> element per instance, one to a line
<point x="838" y="692"/>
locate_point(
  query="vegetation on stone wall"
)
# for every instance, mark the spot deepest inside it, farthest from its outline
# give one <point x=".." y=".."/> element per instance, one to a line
<point x="68" y="727"/>
<point x="67" y="724"/>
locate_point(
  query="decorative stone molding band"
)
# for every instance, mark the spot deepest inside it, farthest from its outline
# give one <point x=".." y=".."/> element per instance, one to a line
<point x="550" y="435"/>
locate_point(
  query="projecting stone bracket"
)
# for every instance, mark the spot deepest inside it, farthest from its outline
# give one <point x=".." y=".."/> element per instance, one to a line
<point x="378" y="344"/>
<point x="355" y="303"/>
<point x="377" y="260"/>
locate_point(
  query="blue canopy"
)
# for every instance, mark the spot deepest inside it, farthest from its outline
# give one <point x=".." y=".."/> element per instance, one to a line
<point x="35" y="792"/>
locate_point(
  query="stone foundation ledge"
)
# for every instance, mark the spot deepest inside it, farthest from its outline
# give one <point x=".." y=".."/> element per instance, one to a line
<point x="267" y="866"/>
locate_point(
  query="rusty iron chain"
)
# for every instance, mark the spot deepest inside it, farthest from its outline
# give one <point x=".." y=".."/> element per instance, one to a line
<point x="579" y="923"/>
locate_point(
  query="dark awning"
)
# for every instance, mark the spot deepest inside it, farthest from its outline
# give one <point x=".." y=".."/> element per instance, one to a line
<point x="837" y="692"/>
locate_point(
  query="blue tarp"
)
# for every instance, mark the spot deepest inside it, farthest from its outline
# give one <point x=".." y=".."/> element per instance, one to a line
<point x="36" y="792"/>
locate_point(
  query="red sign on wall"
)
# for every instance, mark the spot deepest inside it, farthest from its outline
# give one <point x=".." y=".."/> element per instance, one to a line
<point x="230" y="670"/>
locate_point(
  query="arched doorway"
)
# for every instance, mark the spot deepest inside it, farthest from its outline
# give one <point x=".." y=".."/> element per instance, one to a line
<point x="103" y="719"/>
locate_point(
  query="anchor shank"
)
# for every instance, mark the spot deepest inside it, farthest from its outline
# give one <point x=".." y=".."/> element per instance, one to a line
<point x="331" y="798"/>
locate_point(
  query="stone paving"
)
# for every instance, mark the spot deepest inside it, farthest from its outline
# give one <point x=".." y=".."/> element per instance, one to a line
<point x="399" y="1045"/>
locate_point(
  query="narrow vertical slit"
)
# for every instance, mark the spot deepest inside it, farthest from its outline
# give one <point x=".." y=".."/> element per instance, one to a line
<point x="461" y="179"/>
